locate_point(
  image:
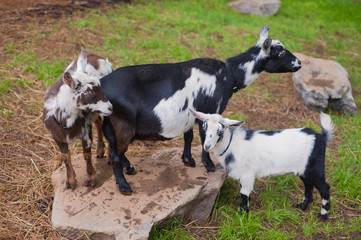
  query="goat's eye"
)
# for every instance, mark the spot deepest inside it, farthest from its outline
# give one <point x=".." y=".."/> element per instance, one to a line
<point x="282" y="53"/>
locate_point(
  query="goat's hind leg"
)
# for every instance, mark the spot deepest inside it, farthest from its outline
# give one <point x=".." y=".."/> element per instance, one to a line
<point x="187" y="156"/>
<point x="324" y="190"/>
<point x="307" y="200"/>
<point x="100" y="146"/>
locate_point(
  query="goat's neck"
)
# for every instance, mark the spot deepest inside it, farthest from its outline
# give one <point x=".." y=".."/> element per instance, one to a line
<point x="245" y="68"/>
<point x="223" y="146"/>
<point x="63" y="107"/>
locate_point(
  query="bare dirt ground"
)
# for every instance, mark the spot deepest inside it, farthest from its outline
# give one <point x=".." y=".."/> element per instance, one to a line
<point x="28" y="154"/>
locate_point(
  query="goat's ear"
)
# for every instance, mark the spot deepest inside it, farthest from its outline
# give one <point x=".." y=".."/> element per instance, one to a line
<point x="68" y="79"/>
<point x="82" y="61"/>
<point x="199" y="115"/>
<point x="233" y="123"/>
<point x="71" y="67"/>
<point x="266" y="46"/>
<point x="264" y="33"/>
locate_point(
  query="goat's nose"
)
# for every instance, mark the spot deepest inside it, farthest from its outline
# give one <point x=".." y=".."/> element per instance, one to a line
<point x="299" y="61"/>
<point x="207" y="147"/>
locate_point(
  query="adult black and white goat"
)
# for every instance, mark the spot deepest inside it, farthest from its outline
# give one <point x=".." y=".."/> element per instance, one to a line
<point x="249" y="154"/>
<point x="151" y="101"/>
<point x="71" y="105"/>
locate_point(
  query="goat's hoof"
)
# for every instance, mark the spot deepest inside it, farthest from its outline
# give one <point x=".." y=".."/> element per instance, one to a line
<point x="244" y="209"/>
<point x="322" y="216"/>
<point x="125" y="190"/>
<point x="302" y="206"/>
<point x="208" y="164"/>
<point x="189" y="162"/>
<point x="130" y="170"/>
<point x="71" y="186"/>
<point x="211" y="169"/>
<point x="90" y="183"/>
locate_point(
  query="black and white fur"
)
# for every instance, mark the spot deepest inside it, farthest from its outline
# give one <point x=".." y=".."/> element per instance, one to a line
<point x="249" y="154"/>
<point x="72" y="104"/>
<point x="151" y="102"/>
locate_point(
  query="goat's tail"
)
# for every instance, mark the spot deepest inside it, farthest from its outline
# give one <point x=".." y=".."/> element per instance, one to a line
<point x="327" y="126"/>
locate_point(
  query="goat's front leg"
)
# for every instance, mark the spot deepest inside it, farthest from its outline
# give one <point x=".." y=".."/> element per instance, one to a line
<point x="117" y="164"/>
<point x="100" y="147"/>
<point x="70" y="173"/>
<point x="206" y="159"/>
<point x="187" y="155"/>
<point x="246" y="183"/>
<point x="90" y="179"/>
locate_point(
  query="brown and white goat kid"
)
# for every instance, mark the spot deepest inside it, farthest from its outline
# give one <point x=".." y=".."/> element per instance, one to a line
<point x="72" y="104"/>
<point x="248" y="154"/>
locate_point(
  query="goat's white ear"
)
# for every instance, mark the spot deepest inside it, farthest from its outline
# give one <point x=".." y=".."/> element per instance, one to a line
<point x="68" y="79"/>
<point x="264" y="33"/>
<point x="266" y="46"/>
<point x="201" y="116"/>
<point x="233" y="123"/>
<point x="82" y="61"/>
<point x="68" y="68"/>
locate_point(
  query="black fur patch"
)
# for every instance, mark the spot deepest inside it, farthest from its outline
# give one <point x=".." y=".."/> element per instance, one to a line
<point x="271" y="133"/>
<point x="229" y="159"/>
<point x="308" y="131"/>
<point x="185" y="106"/>
<point x="249" y="134"/>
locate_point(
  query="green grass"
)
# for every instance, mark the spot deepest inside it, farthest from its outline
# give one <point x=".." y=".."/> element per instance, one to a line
<point x="151" y="31"/>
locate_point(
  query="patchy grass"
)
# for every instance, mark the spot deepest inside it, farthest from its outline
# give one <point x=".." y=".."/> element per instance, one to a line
<point x="169" y="31"/>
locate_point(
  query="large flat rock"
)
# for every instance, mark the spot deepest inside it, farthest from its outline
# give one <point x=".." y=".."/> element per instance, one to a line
<point x="163" y="189"/>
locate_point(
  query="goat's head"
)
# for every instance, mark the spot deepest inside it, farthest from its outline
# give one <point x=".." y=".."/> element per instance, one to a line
<point x="214" y="126"/>
<point x="278" y="59"/>
<point x="88" y="94"/>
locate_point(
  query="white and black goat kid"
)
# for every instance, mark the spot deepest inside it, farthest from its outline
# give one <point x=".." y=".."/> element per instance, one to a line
<point x="249" y="154"/>
<point x="71" y="105"/>
<point x="151" y="101"/>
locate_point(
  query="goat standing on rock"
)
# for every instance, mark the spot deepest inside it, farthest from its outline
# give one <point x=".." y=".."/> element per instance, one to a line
<point x="151" y="101"/>
<point x="72" y="104"/>
<point x="248" y="154"/>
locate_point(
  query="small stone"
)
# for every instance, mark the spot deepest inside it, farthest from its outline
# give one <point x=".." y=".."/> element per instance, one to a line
<point x="256" y="7"/>
<point x="163" y="189"/>
<point x="324" y="84"/>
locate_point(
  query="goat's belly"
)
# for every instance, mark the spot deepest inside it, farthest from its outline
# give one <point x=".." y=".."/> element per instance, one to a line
<point x="175" y="127"/>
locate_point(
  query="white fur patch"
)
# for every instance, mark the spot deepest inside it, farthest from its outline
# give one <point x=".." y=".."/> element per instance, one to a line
<point x="324" y="202"/>
<point x="295" y="63"/>
<point x="282" y="153"/>
<point x="100" y="106"/>
<point x="277" y="42"/>
<point x="175" y="122"/>
<point x="324" y="211"/>
<point x="104" y="69"/>
<point x="249" y="76"/>
<point x="65" y="103"/>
